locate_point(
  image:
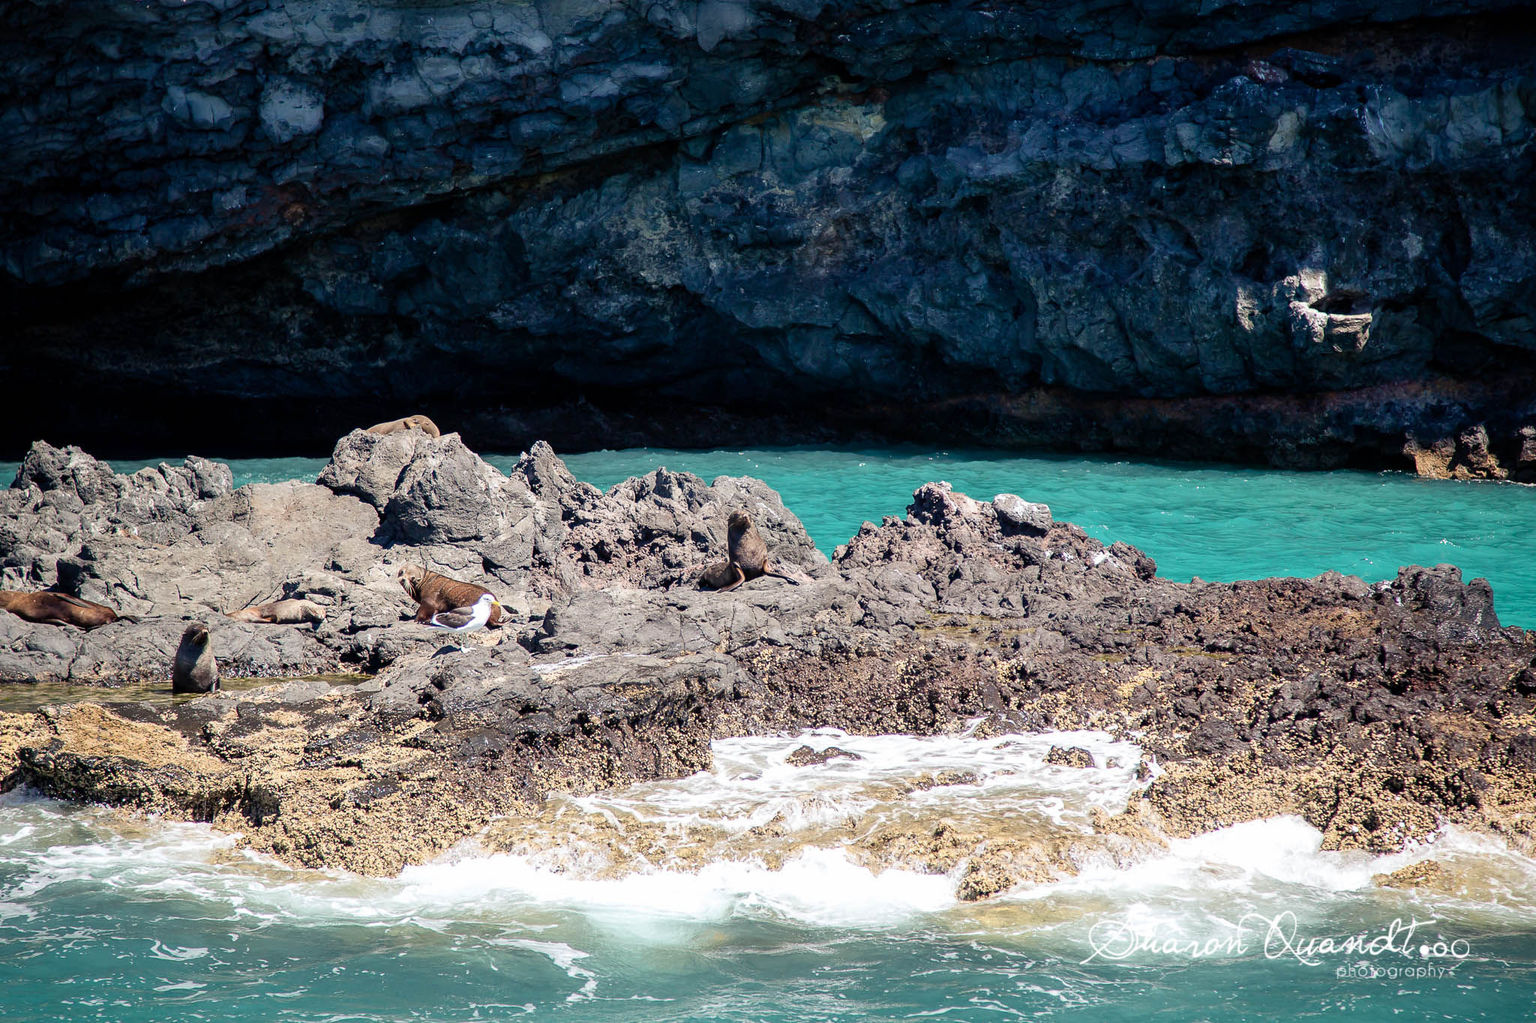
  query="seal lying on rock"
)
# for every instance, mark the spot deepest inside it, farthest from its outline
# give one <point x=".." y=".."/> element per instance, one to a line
<point x="51" y="608"/>
<point x="281" y="612"/>
<point x="195" y="670"/>
<point x="748" y="558"/>
<point x="417" y="422"/>
<point x="439" y="593"/>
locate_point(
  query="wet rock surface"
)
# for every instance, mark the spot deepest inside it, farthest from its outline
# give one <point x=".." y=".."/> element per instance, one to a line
<point x="1378" y="712"/>
<point x="1269" y="232"/>
<point x="806" y="756"/>
<point x="1069" y="756"/>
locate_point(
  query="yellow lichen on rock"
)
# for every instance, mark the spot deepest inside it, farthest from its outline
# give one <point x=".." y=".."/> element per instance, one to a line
<point x="88" y="730"/>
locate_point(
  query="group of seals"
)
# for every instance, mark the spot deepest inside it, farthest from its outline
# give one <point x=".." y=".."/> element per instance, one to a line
<point x="195" y="670"/>
<point x="437" y="593"/>
<point x="748" y="558"/>
<point x="444" y="602"/>
<point x="50" y="608"/>
<point x="450" y="603"/>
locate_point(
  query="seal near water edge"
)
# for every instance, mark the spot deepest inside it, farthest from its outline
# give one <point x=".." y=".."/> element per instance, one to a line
<point x="748" y="558"/>
<point x="440" y="593"/>
<point x="281" y="612"/>
<point x="195" y="670"/>
<point x="49" y="608"/>
<point x="416" y="422"/>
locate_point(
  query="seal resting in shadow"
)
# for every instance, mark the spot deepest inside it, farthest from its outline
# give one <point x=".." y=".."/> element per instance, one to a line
<point x="437" y="593"/>
<point x="417" y="422"/>
<point x="281" y="612"/>
<point x="194" y="670"/>
<point x="51" y="608"/>
<point x="748" y="558"/>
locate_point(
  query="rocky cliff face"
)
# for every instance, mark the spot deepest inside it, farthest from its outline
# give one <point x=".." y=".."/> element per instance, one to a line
<point x="1259" y="231"/>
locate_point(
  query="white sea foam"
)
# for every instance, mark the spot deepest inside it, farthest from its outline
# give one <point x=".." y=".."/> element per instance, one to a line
<point x="752" y="783"/>
<point x="15" y="910"/>
<point x="1279" y="864"/>
<point x="185" y="985"/>
<point x="43" y="844"/>
<point x="563" y="956"/>
<point x="820" y="886"/>
<point x="176" y="954"/>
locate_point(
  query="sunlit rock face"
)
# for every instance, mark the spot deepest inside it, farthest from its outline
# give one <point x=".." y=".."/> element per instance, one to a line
<point x="1269" y="232"/>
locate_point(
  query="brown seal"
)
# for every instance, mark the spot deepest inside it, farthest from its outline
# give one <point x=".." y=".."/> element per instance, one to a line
<point x="281" y="612"/>
<point x="748" y="558"/>
<point x="195" y="670"/>
<point x="718" y="576"/>
<point x="52" y="608"/>
<point x="439" y="593"/>
<point x="417" y="422"/>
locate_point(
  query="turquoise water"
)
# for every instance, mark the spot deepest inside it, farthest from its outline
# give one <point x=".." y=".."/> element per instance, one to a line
<point x="1218" y="523"/>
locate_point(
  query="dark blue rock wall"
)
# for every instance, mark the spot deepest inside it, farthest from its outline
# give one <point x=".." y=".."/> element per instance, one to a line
<point x="1300" y="234"/>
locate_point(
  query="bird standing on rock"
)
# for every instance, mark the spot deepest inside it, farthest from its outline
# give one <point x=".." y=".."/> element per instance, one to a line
<point x="465" y="620"/>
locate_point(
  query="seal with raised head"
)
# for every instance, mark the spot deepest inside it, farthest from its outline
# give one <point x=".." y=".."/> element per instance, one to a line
<point x="416" y="422"/>
<point x="281" y="612"/>
<point x="440" y="593"/>
<point x="51" y="608"/>
<point x="748" y="558"/>
<point x="195" y="670"/>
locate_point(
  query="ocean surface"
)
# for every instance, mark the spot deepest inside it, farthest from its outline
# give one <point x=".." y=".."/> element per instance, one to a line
<point x="105" y="917"/>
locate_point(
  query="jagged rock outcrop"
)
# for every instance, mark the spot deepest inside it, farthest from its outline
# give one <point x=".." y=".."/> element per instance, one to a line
<point x="172" y="543"/>
<point x="1376" y="712"/>
<point x="1260" y="232"/>
<point x="976" y="561"/>
<point x="62" y="499"/>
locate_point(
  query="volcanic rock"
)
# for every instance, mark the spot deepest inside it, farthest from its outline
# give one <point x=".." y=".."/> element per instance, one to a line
<point x="1377" y="712"/>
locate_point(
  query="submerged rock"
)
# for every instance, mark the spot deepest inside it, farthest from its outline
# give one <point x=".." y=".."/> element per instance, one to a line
<point x="1069" y="756"/>
<point x="1429" y="874"/>
<point x="980" y="882"/>
<point x="805" y="756"/>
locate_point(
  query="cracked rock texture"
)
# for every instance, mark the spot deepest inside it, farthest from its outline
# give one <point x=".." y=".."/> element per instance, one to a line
<point x="1268" y="232"/>
<point x="174" y="543"/>
<point x="1378" y="712"/>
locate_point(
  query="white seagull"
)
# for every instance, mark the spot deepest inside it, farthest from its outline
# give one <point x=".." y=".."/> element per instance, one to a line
<point x="465" y="620"/>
